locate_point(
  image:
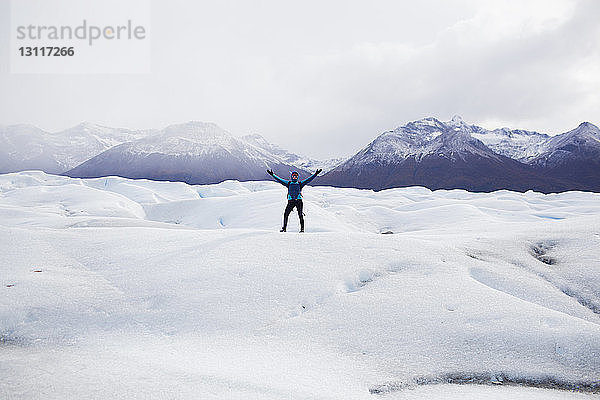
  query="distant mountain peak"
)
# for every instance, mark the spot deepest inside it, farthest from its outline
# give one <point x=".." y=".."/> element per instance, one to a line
<point x="457" y="119"/>
<point x="587" y="125"/>
<point x="587" y="129"/>
<point x="424" y="122"/>
<point x="199" y="133"/>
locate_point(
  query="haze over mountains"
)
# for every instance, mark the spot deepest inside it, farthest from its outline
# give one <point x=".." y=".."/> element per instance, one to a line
<point x="28" y="147"/>
<point x="194" y="152"/>
<point x="426" y="152"/>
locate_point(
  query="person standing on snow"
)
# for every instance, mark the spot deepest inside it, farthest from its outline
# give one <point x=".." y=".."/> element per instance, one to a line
<point x="294" y="196"/>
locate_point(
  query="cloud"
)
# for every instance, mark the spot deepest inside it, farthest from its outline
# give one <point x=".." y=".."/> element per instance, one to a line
<point x="529" y="67"/>
<point x="324" y="78"/>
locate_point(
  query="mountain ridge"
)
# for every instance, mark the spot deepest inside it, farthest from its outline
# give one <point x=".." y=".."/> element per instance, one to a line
<point x="426" y="152"/>
<point x="454" y="154"/>
<point x="194" y="152"/>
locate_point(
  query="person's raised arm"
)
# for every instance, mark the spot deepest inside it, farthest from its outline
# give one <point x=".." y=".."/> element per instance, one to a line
<point x="278" y="179"/>
<point x="310" y="178"/>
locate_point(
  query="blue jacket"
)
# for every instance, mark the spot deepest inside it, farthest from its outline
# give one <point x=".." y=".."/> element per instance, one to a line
<point x="294" y="188"/>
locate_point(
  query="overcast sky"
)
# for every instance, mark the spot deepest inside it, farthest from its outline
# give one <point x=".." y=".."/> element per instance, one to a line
<point x="323" y="78"/>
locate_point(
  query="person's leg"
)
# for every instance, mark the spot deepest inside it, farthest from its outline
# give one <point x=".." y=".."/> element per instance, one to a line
<point x="286" y="214"/>
<point x="299" y="207"/>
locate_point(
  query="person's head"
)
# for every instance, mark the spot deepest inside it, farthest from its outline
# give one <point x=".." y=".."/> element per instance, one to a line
<point x="294" y="176"/>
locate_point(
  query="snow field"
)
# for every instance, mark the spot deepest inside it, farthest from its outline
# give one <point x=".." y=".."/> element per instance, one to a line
<point x="165" y="290"/>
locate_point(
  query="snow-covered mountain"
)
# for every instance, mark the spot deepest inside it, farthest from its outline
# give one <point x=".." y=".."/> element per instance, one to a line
<point x="581" y="143"/>
<point x="28" y="147"/>
<point x="450" y="139"/>
<point x="447" y="155"/>
<point x="25" y="147"/>
<point x="517" y="144"/>
<point x="296" y="160"/>
<point x="428" y="152"/>
<point x="193" y="152"/>
<point x="573" y="156"/>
